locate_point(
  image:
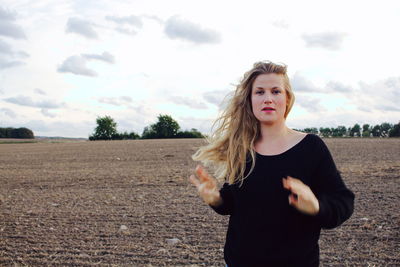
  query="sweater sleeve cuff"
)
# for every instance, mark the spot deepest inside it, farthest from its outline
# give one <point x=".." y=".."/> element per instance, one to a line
<point x="322" y="213"/>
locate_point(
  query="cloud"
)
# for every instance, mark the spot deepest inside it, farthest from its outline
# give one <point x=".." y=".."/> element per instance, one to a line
<point x="131" y="20"/>
<point x="106" y="57"/>
<point x="382" y="95"/>
<point x="126" y="31"/>
<point x="8" y="112"/>
<point x="328" y="40"/>
<point x="177" y="28"/>
<point x="186" y="101"/>
<point x="312" y="105"/>
<point x="4" y="64"/>
<point x="302" y="84"/>
<point x="29" y="102"/>
<point x="216" y="97"/>
<point x="8" y="27"/>
<point x="6" y="49"/>
<point x="280" y="24"/>
<point x="334" y="86"/>
<point x="82" y="27"/>
<point x="76" y="65"/>
<point x="153" y="17"/>
<point x="46" y="113"/>
<point x="39" y="91"/>
<point x="116" y="101"/>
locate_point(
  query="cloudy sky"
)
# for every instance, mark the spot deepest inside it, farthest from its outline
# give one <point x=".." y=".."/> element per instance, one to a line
<point x="63" y="63"/>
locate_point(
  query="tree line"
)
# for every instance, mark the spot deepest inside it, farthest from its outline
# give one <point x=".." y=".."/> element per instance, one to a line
<point x="10" y="132"/>
<point x="366" y="130"/>
<point x="165" y="127"/>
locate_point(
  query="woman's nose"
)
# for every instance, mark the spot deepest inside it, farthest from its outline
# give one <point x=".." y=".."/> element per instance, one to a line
<point x="267" y="98"/>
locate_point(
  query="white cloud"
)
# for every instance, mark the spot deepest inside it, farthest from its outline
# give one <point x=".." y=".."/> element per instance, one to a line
<point x="187" y="101"/>
<point x="8" y="112"/>
<point x="311" y="104"/>
<point x="7" y="26"/>
<point x="178" y="28"/>
<point x="29" y="102"/>
<point x="82" y="27"/>
<point x="40" y="91"/>
<point x="132" y="20"/>
<point x="106" y="57"/>
<point x="76" y="65"/>
<point x="116" y="101"/>
<point x="46" y="113"/>
<point x="302" y="84"/>
<point x="327" y="40"/>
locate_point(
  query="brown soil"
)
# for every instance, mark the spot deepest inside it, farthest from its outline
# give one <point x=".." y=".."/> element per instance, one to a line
<point x="129" y="203"/>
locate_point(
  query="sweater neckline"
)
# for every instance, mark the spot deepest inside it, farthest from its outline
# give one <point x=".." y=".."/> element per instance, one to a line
<point x="286" y="151"/>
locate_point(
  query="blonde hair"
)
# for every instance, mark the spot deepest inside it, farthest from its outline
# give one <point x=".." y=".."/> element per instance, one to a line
<point x="237" y="128"/>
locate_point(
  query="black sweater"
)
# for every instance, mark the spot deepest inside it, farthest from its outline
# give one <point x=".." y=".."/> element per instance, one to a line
<point x="264" y="230"/>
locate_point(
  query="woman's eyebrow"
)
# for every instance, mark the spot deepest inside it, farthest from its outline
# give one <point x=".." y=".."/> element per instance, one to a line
<point x="275" y="87"/>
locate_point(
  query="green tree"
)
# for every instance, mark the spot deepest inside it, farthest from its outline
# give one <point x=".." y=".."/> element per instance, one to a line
<point x="325" y="132"/>
<point x="341" y="130"/>
<point x="165" y="127"/>
<point x="355" y="131"/>
<point x="106" y="129"/>
<point x="395" y="131"/>
<point x="366" y="130"/>
<point x="385" y="128"/>
<point x="193" y="133"/>
<point x="311" y="130"/>
<point x="376" y="131"/>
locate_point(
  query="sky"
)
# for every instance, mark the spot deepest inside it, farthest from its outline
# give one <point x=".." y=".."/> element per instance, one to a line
<point x="65" y="63"/>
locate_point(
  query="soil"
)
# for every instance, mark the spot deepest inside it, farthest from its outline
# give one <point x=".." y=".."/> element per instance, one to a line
<point x="129" y="203"/>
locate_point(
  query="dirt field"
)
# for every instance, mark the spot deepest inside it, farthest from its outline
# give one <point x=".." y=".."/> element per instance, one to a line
<point x="128" y="203"/>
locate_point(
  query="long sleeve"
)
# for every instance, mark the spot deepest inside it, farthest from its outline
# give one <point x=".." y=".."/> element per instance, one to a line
<point x="336" y="201"/>
<point x="226" y="208"/>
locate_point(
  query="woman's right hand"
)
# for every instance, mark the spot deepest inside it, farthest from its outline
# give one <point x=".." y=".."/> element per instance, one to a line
<point x="207" y="187"/>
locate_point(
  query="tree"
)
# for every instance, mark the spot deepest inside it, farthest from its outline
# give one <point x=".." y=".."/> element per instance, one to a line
<point x="105" y="130"/>
<point x="385" y="128"/>
<point x="16" y="133"/>
<point x="366" y="130"/>
<point x="325" y="132"/>
<point x="311" y="130"/>
<point x="395" y="131"/>
<point x="166" y="127"/>
<point x="376" y="131"/>
<point x="355" y="131"/>
<point x="193" y="133"/>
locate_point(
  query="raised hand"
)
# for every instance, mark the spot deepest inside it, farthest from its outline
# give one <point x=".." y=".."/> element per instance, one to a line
<point x="207" y="187"/>
<point x="301" y="197"/>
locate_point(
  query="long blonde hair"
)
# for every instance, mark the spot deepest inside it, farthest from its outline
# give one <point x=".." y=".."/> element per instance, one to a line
<point x="237" y="128"/>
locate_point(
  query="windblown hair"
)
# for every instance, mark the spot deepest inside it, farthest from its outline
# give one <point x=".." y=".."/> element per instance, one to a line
<point x="237" y="129"/>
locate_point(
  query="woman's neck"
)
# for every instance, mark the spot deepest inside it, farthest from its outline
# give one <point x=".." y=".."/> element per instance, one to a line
<point x="270" y="132"/>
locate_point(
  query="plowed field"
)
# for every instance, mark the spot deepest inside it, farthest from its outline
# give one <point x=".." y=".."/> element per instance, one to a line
<point x="129" y="203"/>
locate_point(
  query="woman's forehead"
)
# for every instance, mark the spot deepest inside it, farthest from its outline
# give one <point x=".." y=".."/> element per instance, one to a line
<point x="268" y="80"/>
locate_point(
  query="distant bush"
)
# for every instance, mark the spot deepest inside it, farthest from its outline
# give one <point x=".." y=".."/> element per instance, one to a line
<point x="193" y="133"/>
<point x="107" y="130"/>
<point x="23" y="133"/>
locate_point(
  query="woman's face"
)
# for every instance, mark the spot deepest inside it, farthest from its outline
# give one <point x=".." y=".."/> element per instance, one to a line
<point x="268" y="98"/>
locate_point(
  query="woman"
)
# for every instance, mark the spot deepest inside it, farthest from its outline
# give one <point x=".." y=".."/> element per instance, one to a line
<point x="281" y="186"/>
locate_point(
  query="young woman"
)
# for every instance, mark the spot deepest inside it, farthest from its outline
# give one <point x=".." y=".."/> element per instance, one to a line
<point x="281" y="186"/>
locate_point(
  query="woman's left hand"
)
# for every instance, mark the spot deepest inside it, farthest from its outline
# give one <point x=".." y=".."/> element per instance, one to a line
<point x="301" y="197"/>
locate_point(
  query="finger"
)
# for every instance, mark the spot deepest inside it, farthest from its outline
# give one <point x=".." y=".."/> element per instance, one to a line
<point x="204" y="176"/>
<point x="194" y="181"/>
<point x="294" y="185"/>
<point x="201" y="173"/>
<point x="293" y="200"/>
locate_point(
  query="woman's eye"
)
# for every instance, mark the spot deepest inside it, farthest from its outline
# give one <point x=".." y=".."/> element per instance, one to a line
<point x="276" y="92"/>
<point x="259" y="92"/>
